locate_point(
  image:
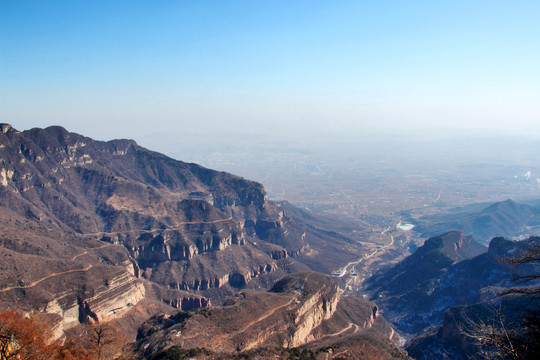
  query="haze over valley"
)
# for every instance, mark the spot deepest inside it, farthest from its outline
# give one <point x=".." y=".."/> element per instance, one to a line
<point x="376" y="181"/>
<point x="369" y="173"/>
<point x="120" y="233"/>
<point x="271" y="179"/>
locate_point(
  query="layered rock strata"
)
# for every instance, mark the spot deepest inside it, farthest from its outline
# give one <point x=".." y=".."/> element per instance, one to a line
<point x="84" y="222"/>
<point x="302" y="309"/>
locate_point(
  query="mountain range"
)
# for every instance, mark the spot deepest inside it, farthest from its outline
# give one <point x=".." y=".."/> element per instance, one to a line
<point x="97" y="231"/>
<point x="193" y="262"/>
<point x="484" y="221"/>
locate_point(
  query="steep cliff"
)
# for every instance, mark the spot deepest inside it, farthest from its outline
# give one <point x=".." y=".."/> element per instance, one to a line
<point x="302" y="309"/>
<point x="85" y="223"/>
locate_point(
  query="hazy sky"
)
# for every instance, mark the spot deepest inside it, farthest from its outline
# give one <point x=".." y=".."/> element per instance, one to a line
<point x="112" y="69"/>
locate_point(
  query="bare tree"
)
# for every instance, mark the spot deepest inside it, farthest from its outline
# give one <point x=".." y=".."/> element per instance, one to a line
<point x="97" y="341"/>
<point x="491" y="336"/>
<point x="103" y="336"/>
<point x="511" y="330"/>
<point x="525" y="270"/>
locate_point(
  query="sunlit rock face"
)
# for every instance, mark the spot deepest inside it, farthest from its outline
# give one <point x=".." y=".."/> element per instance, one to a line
<point x="301" y="310"/>
<point x="87" y="223"/>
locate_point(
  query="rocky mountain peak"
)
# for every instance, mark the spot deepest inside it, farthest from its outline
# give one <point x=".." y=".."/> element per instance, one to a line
<point x="500" y="247"/>
<point x="4" y="128"/>
<point x="456" y="245"/>
<point x="305" y="283"/>
<point x="506" y="204"/>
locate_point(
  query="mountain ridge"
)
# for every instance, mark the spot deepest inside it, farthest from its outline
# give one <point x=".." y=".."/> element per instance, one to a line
<point x="483" y="221"/>
<point x="304" y="310"/>
<point x="415" y="294"/>
<point x="110" y="224"/>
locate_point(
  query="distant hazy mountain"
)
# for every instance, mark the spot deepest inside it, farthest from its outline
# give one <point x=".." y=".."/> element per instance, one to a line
<point x="484" y="221"/>
<point x="92" y="229"/>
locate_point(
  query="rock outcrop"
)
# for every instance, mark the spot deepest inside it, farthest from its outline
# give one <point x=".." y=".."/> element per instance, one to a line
<point x="301" y="310"/>
<point x="83" y="223"/>
<point x="106" y="303"/>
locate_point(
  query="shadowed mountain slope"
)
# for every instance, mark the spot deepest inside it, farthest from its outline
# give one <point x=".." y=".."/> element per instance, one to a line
<point x="416" y="293"/>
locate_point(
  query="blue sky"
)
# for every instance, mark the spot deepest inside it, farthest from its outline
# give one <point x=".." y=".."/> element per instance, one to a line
<point x="112" y="69"/>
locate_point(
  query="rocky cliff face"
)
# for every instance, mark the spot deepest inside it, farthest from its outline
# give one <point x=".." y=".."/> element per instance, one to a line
<point x="303" y="309"/>
<point x="73" y="279"/>
<point x="283" y="317"/>
<point x="79" y="215"/>
<point x="316" y="300"/>
<point x="107" y="302"/>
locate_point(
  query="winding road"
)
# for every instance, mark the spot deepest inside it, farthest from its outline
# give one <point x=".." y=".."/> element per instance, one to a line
<point x="90" y="249"/>
<point x="351" y="266"/>
<point x="45" y="278"/>
<point x="341" y="332"/>
<point x="178" y="226"/>
<point x="86" y="251"/>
